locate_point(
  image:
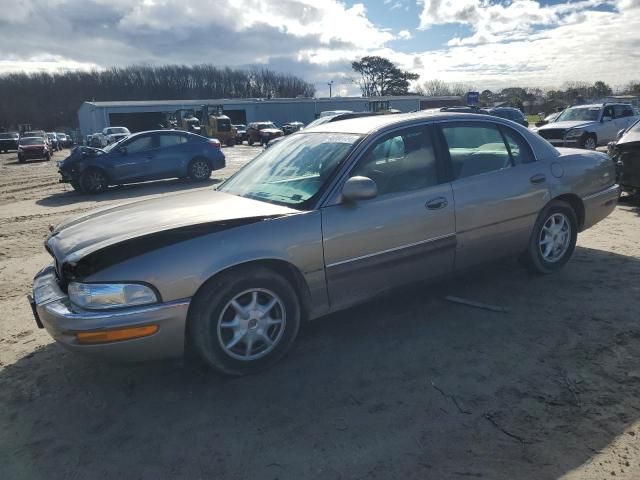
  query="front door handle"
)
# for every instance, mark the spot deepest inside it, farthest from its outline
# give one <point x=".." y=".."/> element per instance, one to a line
<point x="437" y="203"/>
<point x="539" y="178"/>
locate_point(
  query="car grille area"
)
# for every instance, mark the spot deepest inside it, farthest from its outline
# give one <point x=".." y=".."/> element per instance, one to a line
<point x="552" y="133"/>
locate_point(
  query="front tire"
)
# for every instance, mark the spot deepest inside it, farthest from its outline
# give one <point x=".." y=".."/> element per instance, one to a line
<point x="21" y="159"/>
<point x="553" y="239"/>
<point x="93" y="180"/>
<point x="589" y="141"/>
<point x="245" y="320"/>
<point x="199" y="169"/>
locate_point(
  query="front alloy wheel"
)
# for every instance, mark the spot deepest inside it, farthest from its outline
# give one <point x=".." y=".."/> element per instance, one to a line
<point x="589" y="142"/>
<point x="244" y="320"/>
<point x="251" y="324"/>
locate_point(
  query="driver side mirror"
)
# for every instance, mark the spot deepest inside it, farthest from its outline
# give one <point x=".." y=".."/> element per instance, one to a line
<point x="606" y="118"/>
<point x="359" y="188"/>
<point x="620" y="134"/>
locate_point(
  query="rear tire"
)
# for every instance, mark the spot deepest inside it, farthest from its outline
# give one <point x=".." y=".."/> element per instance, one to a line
<point x="21" y="159"/>
<point x="199" y="169"/>
<point x="237" y="332"/>
<point x="553" y="239"/>
<point x="93" y="180"/>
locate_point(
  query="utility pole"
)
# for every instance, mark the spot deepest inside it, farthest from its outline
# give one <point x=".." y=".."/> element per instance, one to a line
<point x="330" y="85"/>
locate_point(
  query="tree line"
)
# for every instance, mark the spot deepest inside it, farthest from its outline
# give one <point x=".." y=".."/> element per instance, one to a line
<point x="51" y="100"/>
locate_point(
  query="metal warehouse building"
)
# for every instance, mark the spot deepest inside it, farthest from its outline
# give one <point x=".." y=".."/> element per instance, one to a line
<point x="152" y="114"/>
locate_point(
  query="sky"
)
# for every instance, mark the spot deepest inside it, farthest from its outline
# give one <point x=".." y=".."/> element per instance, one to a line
<point x="480" y="43"/>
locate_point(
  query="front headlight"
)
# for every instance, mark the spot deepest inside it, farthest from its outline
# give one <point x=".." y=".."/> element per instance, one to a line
<point x="99" y="296"/>
<point x="576" y="132"/>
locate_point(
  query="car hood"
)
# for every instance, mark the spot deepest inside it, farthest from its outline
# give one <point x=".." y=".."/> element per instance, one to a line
<point x="208" y="210"/>
<point x="566" y="125"/>
<point x="631" y="136"/>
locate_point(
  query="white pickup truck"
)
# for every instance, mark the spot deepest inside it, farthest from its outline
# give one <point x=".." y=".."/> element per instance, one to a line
<point x="587" y="126"/>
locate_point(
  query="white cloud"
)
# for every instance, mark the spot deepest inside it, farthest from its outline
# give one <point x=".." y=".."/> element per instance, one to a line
<point x="518" y="42"/>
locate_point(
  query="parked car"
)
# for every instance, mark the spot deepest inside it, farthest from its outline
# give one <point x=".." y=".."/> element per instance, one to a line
<point x="262" y="132"/>
<point x="142" y="156"/>
<point x="9" y="141"/>
<point x="241" y="133"/>
<point x="115" y="134"/>
<point x="53" y="141"/>
<point x="625" y="152"/>
<point x="587" y="126"/>
<point x="292" y="127"/>
<point x="327" y="218"/>
<point x="33" y="147"/>
<point x="64" y="140"/>
<point x="339" y="116"/>
<point x="510" y="113"/>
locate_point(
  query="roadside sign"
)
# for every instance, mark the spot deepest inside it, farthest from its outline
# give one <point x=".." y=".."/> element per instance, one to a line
<point x="473" y="98"/>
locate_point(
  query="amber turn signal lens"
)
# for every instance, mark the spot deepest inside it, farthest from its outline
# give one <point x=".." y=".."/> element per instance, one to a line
<point x="105" y="336"/>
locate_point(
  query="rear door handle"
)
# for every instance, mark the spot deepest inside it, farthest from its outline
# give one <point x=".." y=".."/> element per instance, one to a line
<point x="437" y="203"/>
<point x="539" y="178"/>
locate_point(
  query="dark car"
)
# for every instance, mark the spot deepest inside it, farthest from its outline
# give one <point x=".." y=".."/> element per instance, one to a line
<point x="510" y="113"/>
<point x="33" y="147"/>
<point x="241" y="133"/>
<point x="292" y="127"/>
<point x="339" y="116"/>
<point x="143" y="156"/>
<point x="262" y="132"/>
<point x="9" y="141"/>
<point x="625" y="152"/>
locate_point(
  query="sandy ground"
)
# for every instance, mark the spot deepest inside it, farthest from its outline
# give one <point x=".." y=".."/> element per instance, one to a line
<point x="407" y="386"/>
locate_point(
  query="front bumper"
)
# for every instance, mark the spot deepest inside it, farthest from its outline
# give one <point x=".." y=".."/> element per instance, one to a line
<point x="62" y="320"/>
<point x="561" y="142"/>
<point x="33" y="154"/>
<point x="599" y="205"/>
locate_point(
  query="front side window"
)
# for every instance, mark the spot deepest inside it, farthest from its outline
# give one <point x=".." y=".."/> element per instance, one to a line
<point x="622" y="111"/>
<point x="475" y="149"/>
<point x="139" y="144"/>
<point x="294" y="171"/>
<point x="400" y="162"/>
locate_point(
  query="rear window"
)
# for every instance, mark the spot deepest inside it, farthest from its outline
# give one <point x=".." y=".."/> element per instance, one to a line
<point x="32" y="141"/>
<point x="7" y="136"/>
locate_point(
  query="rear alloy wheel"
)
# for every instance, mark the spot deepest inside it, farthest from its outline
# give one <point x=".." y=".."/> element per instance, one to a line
<point x="553" y="239"/>
<point x="245" y="320"/>
<point x="93" y="181"/>
<point x="589" y="142"/>
<point x="199" y="170"/>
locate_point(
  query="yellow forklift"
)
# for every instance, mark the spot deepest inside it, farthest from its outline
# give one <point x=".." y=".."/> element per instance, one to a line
<point x="214" y="124"/>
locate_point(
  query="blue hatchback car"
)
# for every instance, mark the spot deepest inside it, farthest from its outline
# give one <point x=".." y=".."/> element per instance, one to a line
<point x="143" y="156"/>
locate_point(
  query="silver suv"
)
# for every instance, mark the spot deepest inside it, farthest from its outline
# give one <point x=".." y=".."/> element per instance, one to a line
<point x="587" y="126"/>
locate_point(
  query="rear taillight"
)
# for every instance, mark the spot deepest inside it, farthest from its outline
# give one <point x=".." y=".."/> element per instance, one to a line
<point x="214" y="143"/>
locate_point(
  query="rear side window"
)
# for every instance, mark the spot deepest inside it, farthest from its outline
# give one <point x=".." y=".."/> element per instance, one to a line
<point x="171" y="140"/>
<point x="519" y="148"/>
<point x="475" y="149"/>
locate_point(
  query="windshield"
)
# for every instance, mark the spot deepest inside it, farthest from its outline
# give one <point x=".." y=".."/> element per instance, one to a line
<point x="292" y="171"/>
<point x="111" y="146"/>
<point x="580" y="113"/>
<point x="32" y="141"/>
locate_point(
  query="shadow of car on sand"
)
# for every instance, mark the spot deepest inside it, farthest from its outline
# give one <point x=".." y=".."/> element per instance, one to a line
<point x="406" y="386"/>
<point x="126" y="192"/>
